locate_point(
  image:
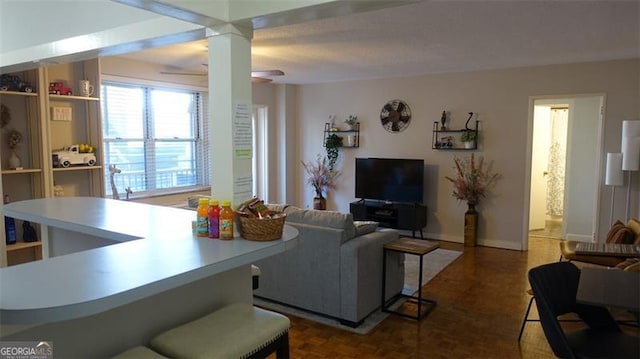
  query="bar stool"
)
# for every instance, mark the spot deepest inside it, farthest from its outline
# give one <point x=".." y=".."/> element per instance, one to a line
<point x="239" y="330"/>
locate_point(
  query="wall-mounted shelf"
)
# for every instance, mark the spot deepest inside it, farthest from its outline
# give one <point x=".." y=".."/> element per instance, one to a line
<point x="18" y="93"/>
<point x="344" y="133"/>
<point x="75" y="98"/>
<point x="24" y="170"/>
<point x="449" y="139"/>
<point x="77" y="168"/>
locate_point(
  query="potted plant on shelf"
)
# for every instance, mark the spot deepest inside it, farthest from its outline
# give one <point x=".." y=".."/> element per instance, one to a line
<point x="351" y="122"/>
<point x="321" y="178"/>
<point x="332" y="143"/>
<point x="469" y="138"/>
<point x="472" y="183"/>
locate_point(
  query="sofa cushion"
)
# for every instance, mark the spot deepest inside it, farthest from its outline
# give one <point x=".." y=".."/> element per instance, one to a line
<point x="619" y="233"/>
<point x="365" y="227"/>
<point x="330" y="219"/>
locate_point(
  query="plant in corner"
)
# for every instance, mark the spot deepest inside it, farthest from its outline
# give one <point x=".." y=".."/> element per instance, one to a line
<point x="321" y="178"/>
<point x="472" y="183"/>
<point x="332" y="144"/>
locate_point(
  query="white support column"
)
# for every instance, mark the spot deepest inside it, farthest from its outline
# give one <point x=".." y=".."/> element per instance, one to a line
<point x="230" y="104"/>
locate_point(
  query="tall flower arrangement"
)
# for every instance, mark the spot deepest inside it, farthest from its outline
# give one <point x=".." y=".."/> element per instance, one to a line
<point x="320" y="176"/>
<point x="473" y="181"/>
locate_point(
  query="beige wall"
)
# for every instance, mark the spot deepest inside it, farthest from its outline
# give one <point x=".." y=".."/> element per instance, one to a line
<point x="501" y="100"/>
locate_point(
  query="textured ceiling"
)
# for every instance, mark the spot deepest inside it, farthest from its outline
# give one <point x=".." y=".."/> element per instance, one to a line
<point x="435" y="37"/>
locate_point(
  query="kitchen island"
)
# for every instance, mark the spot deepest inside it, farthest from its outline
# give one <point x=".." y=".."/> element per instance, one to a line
<point x="116" y="273"/>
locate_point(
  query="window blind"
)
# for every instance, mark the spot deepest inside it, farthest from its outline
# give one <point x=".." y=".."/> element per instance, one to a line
<point x="154" y="136"/>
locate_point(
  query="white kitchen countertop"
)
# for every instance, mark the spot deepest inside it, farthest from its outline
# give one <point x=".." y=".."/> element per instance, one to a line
<point x="154" y="250"/>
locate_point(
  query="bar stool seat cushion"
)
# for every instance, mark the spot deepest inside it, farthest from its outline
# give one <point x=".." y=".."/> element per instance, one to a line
<point x="140" y="352"/>
<point x="235" y="331"/>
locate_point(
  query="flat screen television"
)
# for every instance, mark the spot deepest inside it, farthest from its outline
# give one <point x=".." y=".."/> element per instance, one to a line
<point x="390" y="179"/>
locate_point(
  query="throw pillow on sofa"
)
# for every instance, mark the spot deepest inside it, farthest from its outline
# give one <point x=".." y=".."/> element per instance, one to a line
<point x="634" y="226"/>
<point x="621" y="234"/>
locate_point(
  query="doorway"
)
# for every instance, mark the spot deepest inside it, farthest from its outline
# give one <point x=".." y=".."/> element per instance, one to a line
<point x="566" y="136"/>
<point x="548" y="165"/>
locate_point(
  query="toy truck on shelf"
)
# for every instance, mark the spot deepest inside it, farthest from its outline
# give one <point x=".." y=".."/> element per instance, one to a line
<point x="58" y="88"/>
<point x="80" y="154"/>
<point x="14" y="83"/>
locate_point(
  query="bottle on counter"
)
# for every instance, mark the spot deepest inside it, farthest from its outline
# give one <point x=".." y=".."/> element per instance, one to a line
<point x="9" y="226"/>
<point x="226" y="221"/>
<point x="202" y="219"/>
<point x="214" y="219"/>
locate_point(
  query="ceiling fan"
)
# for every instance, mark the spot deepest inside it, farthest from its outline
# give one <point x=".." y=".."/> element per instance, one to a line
<point x="256" y="76"/>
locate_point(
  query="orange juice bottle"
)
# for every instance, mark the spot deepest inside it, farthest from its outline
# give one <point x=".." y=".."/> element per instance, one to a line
<point x="226" y="221"/>
<point x="202" y="219"/>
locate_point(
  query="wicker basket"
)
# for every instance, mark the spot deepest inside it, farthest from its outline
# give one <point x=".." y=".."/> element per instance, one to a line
<point x="261" y="229"/>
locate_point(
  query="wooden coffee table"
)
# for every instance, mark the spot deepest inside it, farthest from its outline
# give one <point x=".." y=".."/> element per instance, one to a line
<point x="415" y="247"/>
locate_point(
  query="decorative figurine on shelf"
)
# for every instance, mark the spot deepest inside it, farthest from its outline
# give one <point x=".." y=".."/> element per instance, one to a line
<point x="14" y="83"/>
<point x="80" y="154"/>
<point x="466" y="125"/>
<point x="28" y="232"/>
<point x="58" y="88"/>
<point x="129" y="191"/>
<point x="114" y="190"/>
<point x="443" y="120"/>
<point x="332" y="121"/>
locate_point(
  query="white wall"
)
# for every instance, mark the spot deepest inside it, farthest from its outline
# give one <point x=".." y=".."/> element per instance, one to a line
<point x="500" y="98"/>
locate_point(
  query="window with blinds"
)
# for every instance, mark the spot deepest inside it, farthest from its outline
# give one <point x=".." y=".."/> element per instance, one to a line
<point x="154" y="137"/>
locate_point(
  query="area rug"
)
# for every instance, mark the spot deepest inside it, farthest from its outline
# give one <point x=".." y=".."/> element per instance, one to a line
<point x="434" y="262"/>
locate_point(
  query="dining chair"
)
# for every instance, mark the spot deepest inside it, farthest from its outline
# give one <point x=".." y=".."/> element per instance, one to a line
<point x="554" y="287"/>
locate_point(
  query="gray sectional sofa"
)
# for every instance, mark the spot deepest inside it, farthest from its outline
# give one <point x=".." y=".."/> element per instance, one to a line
<point x="336" y="268"/>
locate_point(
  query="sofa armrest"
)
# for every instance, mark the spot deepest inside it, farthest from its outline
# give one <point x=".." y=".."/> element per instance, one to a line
<point x="361" y="273"/>
<point x="568" y="252"/>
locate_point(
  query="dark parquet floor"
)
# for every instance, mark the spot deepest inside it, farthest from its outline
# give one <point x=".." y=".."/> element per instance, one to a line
<point x="481" y="302"/>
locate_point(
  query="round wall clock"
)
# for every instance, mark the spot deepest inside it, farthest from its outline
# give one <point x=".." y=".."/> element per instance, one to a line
<point x="395" y="116"/>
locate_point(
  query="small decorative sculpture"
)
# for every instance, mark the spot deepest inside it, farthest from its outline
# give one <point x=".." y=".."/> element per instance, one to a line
<point x="443" y="120"/>
<point x="112" y="172"/>
<point x="466" y="125"/>
<point x="129" y="191"/>
<point x="28" y="232"/>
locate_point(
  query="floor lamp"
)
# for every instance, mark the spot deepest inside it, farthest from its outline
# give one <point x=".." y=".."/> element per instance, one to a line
<point x="613" y="177"/>
<point x="630" y="153"/>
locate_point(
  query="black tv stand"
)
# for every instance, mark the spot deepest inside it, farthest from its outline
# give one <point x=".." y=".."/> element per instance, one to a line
<point x="404" y="216"/>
